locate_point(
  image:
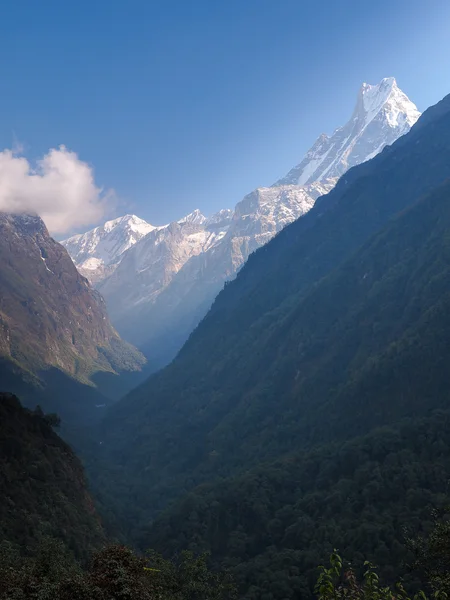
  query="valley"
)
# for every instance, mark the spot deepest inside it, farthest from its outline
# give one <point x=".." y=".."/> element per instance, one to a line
<point x="250" y="401"/>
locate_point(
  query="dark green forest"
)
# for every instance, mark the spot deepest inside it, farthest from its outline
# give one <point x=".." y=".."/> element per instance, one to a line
<point x="113" y="573"/>
<point x="274" y="524"/>
<point x="116" y="572"/>
<point x="52" y="542"/>
<point x="44" y="493"/>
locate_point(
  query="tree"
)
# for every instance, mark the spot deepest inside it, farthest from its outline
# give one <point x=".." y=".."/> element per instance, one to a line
<point x="188" y="578"/>
<point x="432" y="554"/>
<point x="115" y="573"/>
<point x="337" y="583"/>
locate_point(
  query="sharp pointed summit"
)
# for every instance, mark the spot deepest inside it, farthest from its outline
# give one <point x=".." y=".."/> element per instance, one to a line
<point x="195" y="217"/>
<point x="382" y="114"/>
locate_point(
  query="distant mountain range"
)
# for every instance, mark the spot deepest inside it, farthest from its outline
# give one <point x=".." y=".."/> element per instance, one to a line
<point x="158" y="282"/>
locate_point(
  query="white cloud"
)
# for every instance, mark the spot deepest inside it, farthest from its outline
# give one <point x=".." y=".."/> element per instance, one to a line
<point x="60" y="188"/>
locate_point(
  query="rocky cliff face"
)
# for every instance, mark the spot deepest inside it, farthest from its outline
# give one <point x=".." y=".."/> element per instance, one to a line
<point x="49" y="314"/>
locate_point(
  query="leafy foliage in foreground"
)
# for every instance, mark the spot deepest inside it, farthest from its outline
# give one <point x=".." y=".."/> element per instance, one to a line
<point x="337" y="583"/>
<point x="115" y="573"/>
<point x="432" y="553"/>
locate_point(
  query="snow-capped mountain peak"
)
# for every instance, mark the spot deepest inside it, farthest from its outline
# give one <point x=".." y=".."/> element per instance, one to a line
<point x="97" y="251"/>
<point x="382" y="114"/>
<point x="373" y="97"/>
<point x="109" y="240"/>
<point x="129" y="222"/>
<point x="222" y="216"/>
<point x="195" y="218"/>
<point x="397" y="108"/>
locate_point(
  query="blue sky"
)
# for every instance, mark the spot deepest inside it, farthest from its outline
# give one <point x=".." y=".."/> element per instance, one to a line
<point x="191" y="104"/>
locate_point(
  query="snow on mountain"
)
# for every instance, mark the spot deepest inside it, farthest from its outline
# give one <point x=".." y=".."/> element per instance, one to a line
<point x="266" y="210"/>
<point x="97" y="252"/>
<point x="257" y="218"/>
<point x="223" y="216"/>
<point x="149" y="266"/>
<point x="382" y="114"/>
<point x="195" y="218"/>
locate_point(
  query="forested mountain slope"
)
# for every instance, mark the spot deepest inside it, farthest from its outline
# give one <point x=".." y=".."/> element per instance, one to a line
<point x="253" y="379"/>
<point x="273" y="525"/>
<point x="44" y="492"/>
